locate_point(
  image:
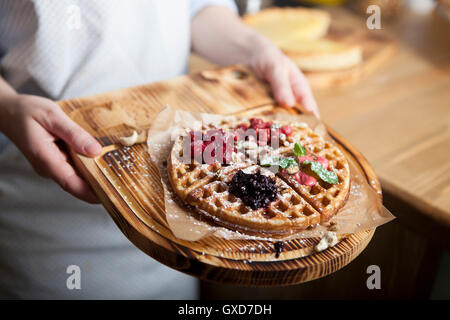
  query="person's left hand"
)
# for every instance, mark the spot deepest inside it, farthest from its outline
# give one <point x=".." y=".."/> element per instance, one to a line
<point x="288" y="83"/>
<point x="219" y="35"/>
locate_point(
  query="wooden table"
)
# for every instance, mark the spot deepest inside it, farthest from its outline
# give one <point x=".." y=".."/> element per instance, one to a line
<point x="399" y="117"/>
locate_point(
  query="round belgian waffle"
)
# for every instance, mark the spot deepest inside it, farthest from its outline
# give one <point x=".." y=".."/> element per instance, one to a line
<point x="297" y="207"/>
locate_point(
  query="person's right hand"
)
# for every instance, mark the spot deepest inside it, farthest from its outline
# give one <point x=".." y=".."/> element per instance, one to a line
<point x="35" y="124"/>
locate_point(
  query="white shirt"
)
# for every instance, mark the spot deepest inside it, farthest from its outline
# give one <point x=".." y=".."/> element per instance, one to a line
<point x="68" y="48"/>
<point x="63" y="49"/>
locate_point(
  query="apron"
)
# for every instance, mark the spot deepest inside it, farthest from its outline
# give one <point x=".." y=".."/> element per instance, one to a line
<point x="63" y="49"/>
<point x="44" y="231"/>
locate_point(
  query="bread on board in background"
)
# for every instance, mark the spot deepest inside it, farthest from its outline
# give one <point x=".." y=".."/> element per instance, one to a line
<point x="301" y="34"/>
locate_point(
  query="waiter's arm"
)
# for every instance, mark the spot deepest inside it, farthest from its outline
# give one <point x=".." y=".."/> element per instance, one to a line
<point x="219" y="35"/>
<point x="34" y="124"/>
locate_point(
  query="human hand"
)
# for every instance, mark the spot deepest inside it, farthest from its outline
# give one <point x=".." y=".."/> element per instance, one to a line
<point x="288" y="83"/>
<point x="219" y="35"/>
<point x="35" y="124"/>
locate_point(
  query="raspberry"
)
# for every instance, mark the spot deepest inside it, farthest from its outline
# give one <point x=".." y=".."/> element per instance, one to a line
<point x="256" y="123"/>
<point x="268" y="124"/>
<point x="302" y="159"/>
<point x="323" y="161"/>
<point x="275" y="138"/>
<point x="197" y="148"/>
<point x="243" y="126"/>
<point x="263" y="136"/>
<point x="212" y="135"/>
<point x="195" y="135"/>
<point x="305" y="179"/>
<point x="287" y="130"/>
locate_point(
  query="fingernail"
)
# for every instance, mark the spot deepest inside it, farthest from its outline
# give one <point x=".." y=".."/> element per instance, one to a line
<point x="92" y="148"/>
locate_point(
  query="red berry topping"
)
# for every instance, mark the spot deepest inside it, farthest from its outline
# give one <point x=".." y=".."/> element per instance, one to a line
<point x="263" y="136"/>
<point x="195" y="135"/>
<point x="323" y="161"/>
<point x="256" y="123"/>
<point x="305" y="179"/>
<point x="197" y="148"/>
<point x="243" y="126"/>
<point x="268" y="124"/>
<point x="287" y="130"/>
<point x="275" y="136"/>
<point x="304" y="158"/>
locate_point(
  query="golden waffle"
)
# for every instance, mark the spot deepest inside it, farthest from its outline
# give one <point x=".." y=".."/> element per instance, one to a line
<point x="187" y="176"/>
<point x="289" y="213"/>
<point x="324" y="197"/>
<point x="298" y="207"/>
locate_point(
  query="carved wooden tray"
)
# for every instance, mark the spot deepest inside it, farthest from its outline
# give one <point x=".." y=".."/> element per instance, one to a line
<point x="129" y="186"/>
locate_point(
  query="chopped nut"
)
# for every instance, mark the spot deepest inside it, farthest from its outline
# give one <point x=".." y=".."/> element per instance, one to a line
<point x="134" y="138"/>
<point x="322" y="245"/>
<point x="331" y="238"/>
<point x="328" y="240"/>
<point x="292" y="170"/>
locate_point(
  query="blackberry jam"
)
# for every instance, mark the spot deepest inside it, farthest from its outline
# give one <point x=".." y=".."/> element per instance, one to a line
<point x="254" y="189"/>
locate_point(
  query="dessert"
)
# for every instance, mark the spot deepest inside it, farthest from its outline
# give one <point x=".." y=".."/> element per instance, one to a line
<point x="259" y="176"/>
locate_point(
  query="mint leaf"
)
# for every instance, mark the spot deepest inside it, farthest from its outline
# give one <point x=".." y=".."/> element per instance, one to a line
<point x="287" y="162"/>
<point x="277" y="161"/>
<point x="324" y="174"/>
<point x="299" y="150"/>
<point x="268" y="161"/>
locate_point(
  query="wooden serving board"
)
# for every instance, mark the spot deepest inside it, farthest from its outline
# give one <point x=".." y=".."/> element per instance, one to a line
<point x="128" y="183"/>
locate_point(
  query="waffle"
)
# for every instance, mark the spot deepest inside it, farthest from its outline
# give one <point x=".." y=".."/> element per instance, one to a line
<point x="297" y="207"/>
<point x="289" y="213"/>
<point x="187" y="176"/>
<point x="325" y="198"/>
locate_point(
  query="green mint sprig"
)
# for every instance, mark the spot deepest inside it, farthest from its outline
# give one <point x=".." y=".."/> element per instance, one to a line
<point x="278" y="161"/>
<point x="299" y="150"/>
<point x="322" y="173"/>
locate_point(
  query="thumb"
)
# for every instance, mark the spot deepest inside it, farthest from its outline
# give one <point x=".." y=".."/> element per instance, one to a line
<point x="60" y="125"/>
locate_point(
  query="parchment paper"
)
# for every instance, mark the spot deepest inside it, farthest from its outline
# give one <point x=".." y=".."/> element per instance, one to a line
<point x="363" y="210"/>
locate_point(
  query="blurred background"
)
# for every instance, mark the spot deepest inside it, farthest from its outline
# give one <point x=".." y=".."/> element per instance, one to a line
<point x="389" y="7"/>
